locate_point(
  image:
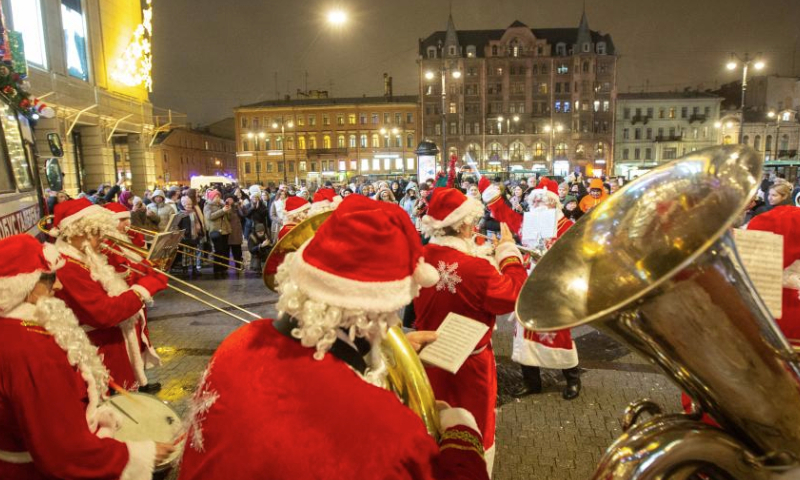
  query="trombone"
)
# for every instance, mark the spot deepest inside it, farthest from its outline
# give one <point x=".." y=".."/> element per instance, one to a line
<point x="120" y="250"/>
<point x="237" y="265"/>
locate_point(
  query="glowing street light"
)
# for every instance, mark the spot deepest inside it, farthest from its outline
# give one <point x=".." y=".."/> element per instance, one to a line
<point x="456" y="74"/>
<point x="746" y="62"/>
<point x="429" y="75"/>
<point x="337" y="17"/>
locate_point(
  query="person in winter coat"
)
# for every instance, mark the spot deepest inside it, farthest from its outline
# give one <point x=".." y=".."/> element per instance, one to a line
<point x="571" y="210"/>
<point x="159" y="211"/>
<point x="218" y="224"/>
<point x="193" y="234"/>
<point x="409" y="202"/>
<point x="235" y="237"/>
<point x="276" y="209"/>
<point x="259" y="245"/>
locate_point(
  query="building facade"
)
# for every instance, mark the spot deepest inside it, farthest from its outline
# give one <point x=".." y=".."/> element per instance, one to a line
<point x="183" y="153"/>
<point x="657" y="127"/>
<point x="773" y="134"/>
<point x="326" y="139"/>
<point x="521" y="98"/>
<point x="89" y="60"/>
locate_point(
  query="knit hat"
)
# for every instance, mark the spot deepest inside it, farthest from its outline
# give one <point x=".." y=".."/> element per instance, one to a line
<point x="449" y="207"/>
<point x="355" y="274"/>
<point x="295" y="205"/>
<point x="596" y="183"/>
<point x="254" y="190"/>
<point x="210" y="195"/>
<point x="67" y="213"/>
<point x="118" y="211"/>
<point x="570" y="198"/>
<point x="22" y="261"/>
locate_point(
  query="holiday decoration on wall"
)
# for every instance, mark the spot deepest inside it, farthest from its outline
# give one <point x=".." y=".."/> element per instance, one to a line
<point x="134" y="66"/>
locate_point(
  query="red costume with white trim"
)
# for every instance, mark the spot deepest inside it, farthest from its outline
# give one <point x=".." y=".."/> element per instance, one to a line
<point x="283" y="403"/>
<point x="49" y="418"/>
<point x="296" y="210"/>
<point x="471" y="285"/>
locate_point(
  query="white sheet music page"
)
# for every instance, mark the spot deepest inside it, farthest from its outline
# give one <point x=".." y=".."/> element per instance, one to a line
<point x="458" y="337"/>
<point x="539" y="223"/>
<point x="762" y="256"/>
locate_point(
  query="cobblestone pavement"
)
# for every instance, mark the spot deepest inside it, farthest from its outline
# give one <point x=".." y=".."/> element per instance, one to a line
<point x="538" y="437"/>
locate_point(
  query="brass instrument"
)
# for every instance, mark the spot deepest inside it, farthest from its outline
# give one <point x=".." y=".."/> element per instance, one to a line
<point x="121" y="246"/>
<point x="237" y="265"/>
<point x="655" y="267"/>
<point x="406" y="375"/>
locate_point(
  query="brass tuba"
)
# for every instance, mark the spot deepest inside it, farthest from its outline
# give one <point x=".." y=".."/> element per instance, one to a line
<point x="406" y="375"/>
<point x="655" y="267"/>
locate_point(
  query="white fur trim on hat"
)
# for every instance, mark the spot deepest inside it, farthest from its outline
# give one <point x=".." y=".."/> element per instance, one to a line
<point x="506" y="250"/>
<point x="341" y="292"/>
<point x="122" y="215"/>
<point x="14" y="289"/>
<point x="490" y="193"/>
<point x="425" y="274"/>
<point x="53" y="256"/>
<point x="471" y="209"/>
<point x="90" y="210"/>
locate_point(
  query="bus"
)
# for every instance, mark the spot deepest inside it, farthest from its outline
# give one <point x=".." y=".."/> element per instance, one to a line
<point x="23" y="177"/>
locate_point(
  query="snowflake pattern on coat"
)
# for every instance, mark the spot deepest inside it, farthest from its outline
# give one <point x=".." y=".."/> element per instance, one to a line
<point x="547" y="338"/>
<point x="202" y="401"/>
<point x="448" y="277"/>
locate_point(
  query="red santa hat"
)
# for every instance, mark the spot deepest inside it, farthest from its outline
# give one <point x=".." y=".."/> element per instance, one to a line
<point x="22" y="261"/>
<point x="449" y="207"/>
<point x="68" y="212"/>
<point x="118" y="211"/>
<point x="295" y="205"/>
<point x="345" y="264"/>
<point x="324" y="199"/>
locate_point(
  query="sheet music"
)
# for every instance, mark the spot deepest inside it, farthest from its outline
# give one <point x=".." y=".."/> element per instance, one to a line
<point x="539" y="223"/>
<point x="762" y="256"/>
<point x="458" y="337"/>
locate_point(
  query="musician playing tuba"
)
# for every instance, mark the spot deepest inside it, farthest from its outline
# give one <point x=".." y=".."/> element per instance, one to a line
<point x="299" y="397"/>
<point x="52" y="381"/>
<point x="105" y="305"/>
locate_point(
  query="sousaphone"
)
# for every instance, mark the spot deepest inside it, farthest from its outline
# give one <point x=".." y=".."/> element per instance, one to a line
<point x="655" y="266"/>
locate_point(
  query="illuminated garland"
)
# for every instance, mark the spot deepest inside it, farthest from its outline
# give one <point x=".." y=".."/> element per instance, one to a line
<point x="134" y="66"/>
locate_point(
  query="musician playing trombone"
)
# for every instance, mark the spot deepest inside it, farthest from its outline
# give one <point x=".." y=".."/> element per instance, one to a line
<point x="52" y="381"/>
<point x="302" y="394"/>
<point x="104" y="303"/>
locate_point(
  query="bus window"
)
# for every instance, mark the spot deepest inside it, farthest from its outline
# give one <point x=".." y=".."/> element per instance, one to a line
<point x="15" y="148"/>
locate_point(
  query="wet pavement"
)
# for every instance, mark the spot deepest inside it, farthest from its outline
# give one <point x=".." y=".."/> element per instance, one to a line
<point x="538" y="437"/>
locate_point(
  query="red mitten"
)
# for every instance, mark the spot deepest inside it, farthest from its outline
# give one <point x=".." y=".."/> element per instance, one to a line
<point x="152" y="283"/>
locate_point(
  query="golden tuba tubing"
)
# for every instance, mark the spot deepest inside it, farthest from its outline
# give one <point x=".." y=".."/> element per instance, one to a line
<point x="406" y="375"/>
<point x="655" y="266"/>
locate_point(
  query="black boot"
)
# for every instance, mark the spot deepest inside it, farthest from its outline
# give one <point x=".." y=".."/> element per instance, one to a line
<point x="151" y="388"/>
<point x="531" y="381"/>
<point x="573" y="377"/>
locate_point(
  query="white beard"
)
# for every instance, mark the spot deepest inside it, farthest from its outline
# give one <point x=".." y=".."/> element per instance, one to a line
<point x="55" y="317"/>
<point x="102" y="272"/>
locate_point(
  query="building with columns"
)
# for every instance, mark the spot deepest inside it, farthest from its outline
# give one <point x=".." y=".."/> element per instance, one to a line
<point x="90" y="61"/>
<point x="653" y="128"/>
<point x="521" y="98"/>
<point x="182" y="153"/>
<point x="327" y="139"/>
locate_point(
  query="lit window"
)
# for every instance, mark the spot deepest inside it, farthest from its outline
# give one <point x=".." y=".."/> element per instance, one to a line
<point x="27" y="18"/>
<point x="376" y="164"/>
<point x="341" y="166"/>
<point x="410" y="163"/>
<point x="75" y="39"/>
<point x="365" y="165"/>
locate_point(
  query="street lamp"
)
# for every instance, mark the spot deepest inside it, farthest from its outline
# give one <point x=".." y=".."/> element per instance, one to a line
<point x="734" y="61"/>
<point x="456" y="74"/>
<point x="552" y="129"/>
<point x="337" y="17"/>
<point x="283" y="124"/>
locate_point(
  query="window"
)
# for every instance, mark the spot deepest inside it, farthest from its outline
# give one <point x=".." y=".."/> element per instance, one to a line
<point x="301" y="143"/>
<point x="769" y="143"/>
<point x="291" y="166"/>
<point x="16" y="149"/>
<point x="375" y="118"/>
<point x="637" y="153"/>
<point x="363" y="119"/>
<point x="757" y="142"/>
<point x="601" y="48"/>
<point x="352" y="141"/>
<point x="562" y="68"/>
<point x="364" y="165"/>
<point x="363" y="141"/>
<point x="387" y="118"/>
<point x="649" y="134"/>
<point x="410" y="141"/>
<point x="561" y="150"/>
<point x="340" y="142"/>
<point x="637" y="134"/>
<point x="670" y="153"/>
<point x="566" y="107"/>
<point x="244" y="122"/>
<point x="303" y="166"/>
<point x="626" y="133"/>
<point x="247" y="168"/>
<point x="684" y="112"/>
<point x="561" y="49"/>
<point x="587" y="47"/>
<point x="312" y="142"/>
<point x="409" y="118"/>
<point x="269" y="167"/>
<point x="626" y="113"/>
<point x="398" y="118"/>
<point x="606" y="105"/>
<point x="300" y="120"/>
<point x="494" y="50"/>
<point x="671" y="112"/>
<point x="431" y="52"/>
<point x="280" y="167"/>
<point x="471" y="51"/>
<point x="648" y="154"/>
<point x="351" y="119"/>
<point x="375" y="141"/>
<point x="437" y="129"/>
<point x="558" y="87"/>
<point x="326" y="120"/>
<point x="340" y="119"/>
<point x="597" y="105"/>
<point x="312" y="120"/>
<point x="585" y="64"/>
<point x="75" y="39"/>
<point x="453" y="128"/>
<point x="27" y="18"/>
<point x="376" y="164"/>
<point x="245" y="146"/>
<point x="326" y="141"/>
<point x="558" y="107"/>
<point x="625" y="154"/>
<point x="255" y="123"/>
<point x="453" y="107"/>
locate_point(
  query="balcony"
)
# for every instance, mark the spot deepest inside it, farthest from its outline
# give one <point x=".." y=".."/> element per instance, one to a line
<point x="698" y="117"/>
<point x="326" y="151"/>
<point x="669" y="138"/>
<point x="787" y="153"/>
<point x="643" y="119"/>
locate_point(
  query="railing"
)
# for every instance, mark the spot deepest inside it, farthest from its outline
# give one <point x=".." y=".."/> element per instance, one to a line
<point x="326" y="151"/>
<point x="669" y="138"/>
<point x="698" y="117"/>
<point x="640" y="118"/>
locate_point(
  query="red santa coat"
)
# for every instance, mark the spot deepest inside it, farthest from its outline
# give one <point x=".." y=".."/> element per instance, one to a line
<point x="266" y="409"/>
<point x="472" y="286"/>
<point x="546" y="349"/>
<point x="100" y="314"/>
<point x="43" y="402"/>
<point x="132" y="272"/>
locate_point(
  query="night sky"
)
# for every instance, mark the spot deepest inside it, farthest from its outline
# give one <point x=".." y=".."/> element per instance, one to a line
<point x="212" y="55"/>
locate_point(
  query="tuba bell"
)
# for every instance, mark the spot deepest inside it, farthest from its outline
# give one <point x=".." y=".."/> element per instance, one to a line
<point x="655" y="267"/>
